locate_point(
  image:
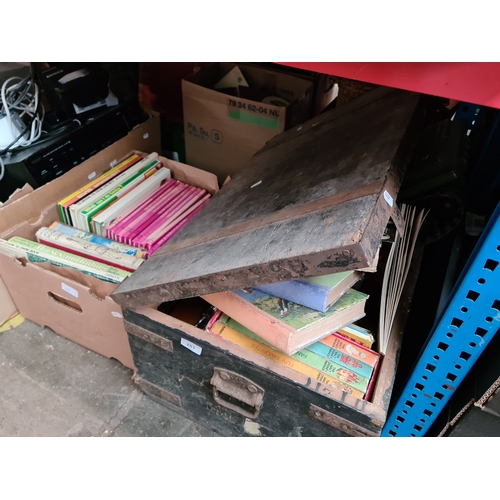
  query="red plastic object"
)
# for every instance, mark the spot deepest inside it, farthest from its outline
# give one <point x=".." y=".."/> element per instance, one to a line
<point x="472" y="82"/>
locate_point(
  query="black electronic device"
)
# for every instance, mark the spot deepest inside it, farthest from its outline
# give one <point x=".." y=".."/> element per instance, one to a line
<point x="48" y="160"/>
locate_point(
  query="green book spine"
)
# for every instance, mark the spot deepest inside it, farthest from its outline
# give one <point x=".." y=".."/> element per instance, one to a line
<point x="108" y="198"/>
<point x="37" y="252"/>
<point x="342" y="373"/>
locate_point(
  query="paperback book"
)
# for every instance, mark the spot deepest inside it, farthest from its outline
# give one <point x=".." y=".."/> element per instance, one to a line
<point x="85" y="248"/>
<point x="76" y="207"/>
<point x="38" y="252"/>
<point x="129" y="201"/>
<point x="287" y="326"/>
<point x="63" y="205"/>
<point x="320" y="356"/>
<point x="86" y="215"/>
<point x="98" y="240"/>
<point x="396" y="270"/>
<point x="317" y="293"/>
<point x="222" y="330"/>
<point x="123" y="228"/>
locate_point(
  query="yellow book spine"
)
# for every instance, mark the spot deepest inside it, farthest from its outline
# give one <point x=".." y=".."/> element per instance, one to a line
<point x="98" y="179"/>
<point x="228" y="333"/>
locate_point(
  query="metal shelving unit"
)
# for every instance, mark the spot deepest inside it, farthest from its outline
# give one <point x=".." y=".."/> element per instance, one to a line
<point x="471" y="316"/>
<point x="467" y="324"/>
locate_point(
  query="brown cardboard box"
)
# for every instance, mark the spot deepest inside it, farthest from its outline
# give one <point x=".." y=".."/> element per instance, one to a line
<point x="74" y="305"/>
<point x="7" y="307"/>
<point x="222" y="131"/>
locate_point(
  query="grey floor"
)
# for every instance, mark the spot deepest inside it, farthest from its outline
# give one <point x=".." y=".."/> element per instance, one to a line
<point x="52" y="387"/>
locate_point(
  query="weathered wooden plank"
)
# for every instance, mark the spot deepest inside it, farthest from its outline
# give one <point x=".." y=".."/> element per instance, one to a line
<point x="319" y="204"/>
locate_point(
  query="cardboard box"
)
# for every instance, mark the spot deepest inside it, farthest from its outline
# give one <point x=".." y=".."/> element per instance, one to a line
<point x="7" y="307"/>
<point x="222" y="132"/>
<point x="74" y="305"/>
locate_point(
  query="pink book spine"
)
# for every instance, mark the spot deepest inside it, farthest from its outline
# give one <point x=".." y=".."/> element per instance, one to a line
<point x="158" y="228"/>
<point x="112" y="229"/>
<point x="186" y="210"/>
<point x="142" y="223"/>
<point x="122" y="221"/>
<point x="144" y="216"/>
<point x="174" y="230"/>
<point x="165" y="215"/>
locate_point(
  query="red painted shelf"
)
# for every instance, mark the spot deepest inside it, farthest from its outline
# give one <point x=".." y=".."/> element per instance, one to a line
<point x="473" y="82"/>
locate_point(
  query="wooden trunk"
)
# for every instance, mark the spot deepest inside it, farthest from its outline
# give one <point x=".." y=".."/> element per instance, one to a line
<point x="235" y="392"/>
<point x="315" y="200"/>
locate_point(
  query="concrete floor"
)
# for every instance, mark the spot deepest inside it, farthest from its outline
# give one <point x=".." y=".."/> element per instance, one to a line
<point x="53" y="387"/>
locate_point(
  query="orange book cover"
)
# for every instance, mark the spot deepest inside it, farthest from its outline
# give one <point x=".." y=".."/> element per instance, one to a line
<point x="222" y="330"/>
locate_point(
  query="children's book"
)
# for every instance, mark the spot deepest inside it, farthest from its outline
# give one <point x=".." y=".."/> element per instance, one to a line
<point x="356" y="333"/>
<point x="38" y="252"/>
<point x="63" y="205"/>
<point x="75" y="208"/>
<point x="118" y="229"/>
<point x="260" y="348"/>
<point x="352" y="349"/>
<point x="287" y="326"/>
<point x="86" y="215"/>
<point x="129" y="201"/>
<point x="317" y="293"/>
<point x="310" y="356"/>
<point x="98" y="240"/>
<point x="85" y="248"/>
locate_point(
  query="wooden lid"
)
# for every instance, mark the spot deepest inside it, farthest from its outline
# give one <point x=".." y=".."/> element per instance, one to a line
<point x="315" y="200"/>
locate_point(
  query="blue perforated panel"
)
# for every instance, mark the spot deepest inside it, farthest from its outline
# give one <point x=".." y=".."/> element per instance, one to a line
<point x="468" y="323"/>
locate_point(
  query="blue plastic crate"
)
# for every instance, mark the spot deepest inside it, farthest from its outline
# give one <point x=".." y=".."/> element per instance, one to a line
<point x="469" y="321"/>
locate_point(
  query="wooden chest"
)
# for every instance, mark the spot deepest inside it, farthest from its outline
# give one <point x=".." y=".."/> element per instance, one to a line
<point x="235" y="392"/>
<point x="313" y="201"/>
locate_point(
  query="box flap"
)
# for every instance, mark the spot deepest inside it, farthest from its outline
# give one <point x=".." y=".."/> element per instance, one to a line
<point x="315" y="203"/>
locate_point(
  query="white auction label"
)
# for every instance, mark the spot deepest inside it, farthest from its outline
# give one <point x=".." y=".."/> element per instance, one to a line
<point x="192" y="347"/>
<point x="388" y="198"/>
<point x="91" y="176"/>
<point x="116" y="315"/>
<point x="69" y="290"/>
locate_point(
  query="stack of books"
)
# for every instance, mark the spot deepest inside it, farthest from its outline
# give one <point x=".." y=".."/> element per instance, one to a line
<point x="127" y="183"/>
<point x="309" y="322"/>
<point x="114" y="222"/>
<point x="336" y="360"/>
<point x="293" y="314"/>
<point x="76" y="252"/>
<point x="136" y="203"/>
<point x="159" y="217"/>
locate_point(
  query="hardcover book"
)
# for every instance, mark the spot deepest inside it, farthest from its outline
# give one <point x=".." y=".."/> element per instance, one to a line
<point x="287" y="326"/>
<point x="37" y="252"/>
<point x="129" y="201"/>
<point x="85" y="248"/>
<point x="253" y="345"/>
<point x="63" y="205"/>
<point x="357" y="334"/>
<point x="98" y="240"/>
<point x="85" y="216"/>
<point x="317" y="293"/>
<point x="319" y="356"/>
<point x="351" y="348"/>
<point x="340" y="358"/>
<point x="75" y="208"/>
